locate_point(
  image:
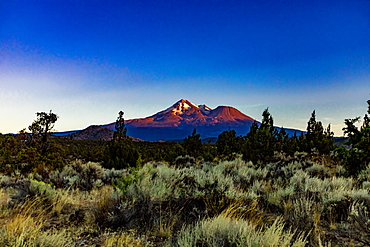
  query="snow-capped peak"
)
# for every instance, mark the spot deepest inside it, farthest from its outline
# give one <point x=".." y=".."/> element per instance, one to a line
<point x="181" y="106"/>
<point x="185" y="104"/>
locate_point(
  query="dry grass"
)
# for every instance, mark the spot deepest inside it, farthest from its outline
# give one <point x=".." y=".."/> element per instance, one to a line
<point x="222" y="231"/>
<point x="245" y="210"/>
<point x="208" y="205"/>
<point x="165" y="227"/>
<point x="4" y="198"/>
<point x="25" y="227"/>
<point x="124" y="239"/>
<point x="103" y="201"/>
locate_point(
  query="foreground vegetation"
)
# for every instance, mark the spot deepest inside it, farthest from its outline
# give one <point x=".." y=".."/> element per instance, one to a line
<point x="262" y="189"/>
<point x="290" y="202"/>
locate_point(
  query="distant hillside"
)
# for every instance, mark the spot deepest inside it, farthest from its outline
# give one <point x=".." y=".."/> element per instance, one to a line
<point x="94" y="133"/>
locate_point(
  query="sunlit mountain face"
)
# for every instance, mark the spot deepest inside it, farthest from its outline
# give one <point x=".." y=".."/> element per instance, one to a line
<point x="179" y="120"/>
<point x="184" y="113"/>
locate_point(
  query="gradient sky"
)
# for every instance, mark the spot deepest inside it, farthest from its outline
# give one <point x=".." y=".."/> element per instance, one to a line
<point x="88" y="59"/>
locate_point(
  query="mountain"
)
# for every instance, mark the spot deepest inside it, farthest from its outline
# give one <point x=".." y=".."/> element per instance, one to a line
<point x="179" y="120"/>
<point x="184" y="113"/>
<point x="175" y="123"/>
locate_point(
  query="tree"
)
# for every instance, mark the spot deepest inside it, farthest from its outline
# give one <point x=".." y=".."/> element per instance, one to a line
<point x="283" y="141"/>
<point x="317" y="138"/>
<point x="291" y="144"/>
<point x="120" y="126"/>
<point x="267" y="121"/>
<point x="193" y="144"/>
<point x="120" y="154"/>
<point x="121" y="151"/>
<point x="351" y="130"/>
<point x="358" y="156"/>
<point x="42" y="126"/>
<point x="261" y="141"/>
<point x="228" y="143"/>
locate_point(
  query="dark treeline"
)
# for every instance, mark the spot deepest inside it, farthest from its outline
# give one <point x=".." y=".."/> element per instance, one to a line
<point x="37" y="151"/>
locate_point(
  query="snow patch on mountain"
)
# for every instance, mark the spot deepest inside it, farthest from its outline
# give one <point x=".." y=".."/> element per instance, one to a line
<point x="205" y="109"/>
<point x="180" y="107"/>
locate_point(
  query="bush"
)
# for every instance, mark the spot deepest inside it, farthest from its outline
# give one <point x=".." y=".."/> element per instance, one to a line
<point x="221" y="231"/>
<point x="84" y="176"/>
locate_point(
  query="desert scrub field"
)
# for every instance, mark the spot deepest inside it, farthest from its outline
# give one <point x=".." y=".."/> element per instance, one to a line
<point x="290" y="202"/>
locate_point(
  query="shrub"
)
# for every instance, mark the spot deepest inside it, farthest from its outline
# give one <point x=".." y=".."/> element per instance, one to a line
<point x="364" y="175"/>
<point x="163" y="183"/>
<point x="303" y="209"/>
<point x="184" y="161"/>
<point x="318" y="170"/>
<point x="222" y="231"/>
<point x="84" y="176"/>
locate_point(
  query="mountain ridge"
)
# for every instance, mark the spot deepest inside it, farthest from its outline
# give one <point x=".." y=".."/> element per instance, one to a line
<point x="179" y="120"/>
<point x="184" y="113"/>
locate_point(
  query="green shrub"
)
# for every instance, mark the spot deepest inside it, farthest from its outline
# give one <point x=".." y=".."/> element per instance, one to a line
<point x="77" y="174"/>
<point x="84" y="176"/>
<point x="318" y="170"/>
<point x="221" y="231"/>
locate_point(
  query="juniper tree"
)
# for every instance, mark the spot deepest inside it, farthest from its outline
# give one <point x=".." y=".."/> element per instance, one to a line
<point x="261" y="141"/>
<point x="317" y="138"/>
<point x="42" y="126"/>
<point x="358" y="157"/>
<point x="120" y="152"/>
<point x="228" y="143"/>
<point x="193" y="144"/>
<point x="120" y="126"/>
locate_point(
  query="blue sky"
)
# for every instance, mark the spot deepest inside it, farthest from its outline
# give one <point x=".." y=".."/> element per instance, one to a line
<point x="87" y="60"/>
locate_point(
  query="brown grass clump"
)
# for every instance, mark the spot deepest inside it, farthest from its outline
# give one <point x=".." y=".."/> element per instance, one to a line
<point x="246" y="210"/>
<point x="25" y="228"/>
<point x="124" y="239"/>
<point x="360" y="215"/>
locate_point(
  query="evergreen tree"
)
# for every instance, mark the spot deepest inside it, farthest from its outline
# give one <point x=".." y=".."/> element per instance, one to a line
<point x="358" y="156"/>
<point x="228" y="143"/>
<point x="120" y="154"/>
<point x="42" y="126"/>
<point x="317" y="138"/>
<point x="121" y="129"/>
<point x="252" y="131"/>
<point x="292" y="144"/>
<point x="193" y="144"/>
<point x="351" y="130"/>
<point x="283" y="141"/>
<point x="121" y="151"/>
<point x="262" y="141"/>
